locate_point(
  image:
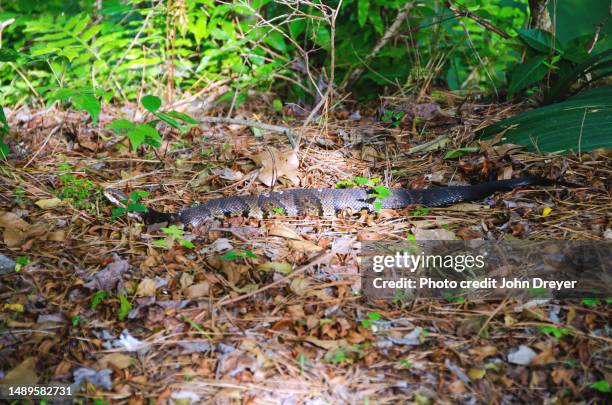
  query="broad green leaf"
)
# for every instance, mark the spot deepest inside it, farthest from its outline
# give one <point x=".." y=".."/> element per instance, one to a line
<point x="527" y="73"/>
<point x="117" y="212"/>
<point x="580" y="123"/>
<point x="170" y="121"/>
<point x="322" y="37"/>
<point x="540" y="40"/>
<point x="151" y="103"/>
<point x="296" y="27"/>
<point x="121" y="126"/>
<point x="144" y="133"/>
<point x="173" y="231"/>
<point x="363" y="6"/>
<point x="601" y="386"/>
<point x="89" y="103"/>
<point x="377" y="20"/>
<point x="276" y="40"/>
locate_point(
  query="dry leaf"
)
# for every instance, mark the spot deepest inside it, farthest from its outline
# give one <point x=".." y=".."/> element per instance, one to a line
<point x="22" y="374"/>
<point x="118" y="360"/>
<point x="276" y="164"/>
<point x="304" y="246"/>
<point x="146" y="288"/>
<point x="284" y="231"/>
<point x="300" y="285"/>
<point x="456" y="387"/>
<point x="544" y="357"/>
<point x="476" y="373"/>
<point x="49" y="203"/>
<point x="197" y="290"/>
<point x="279" y="267"/>
<point x="433" y="234"/>
<point x="482" y="352"/>
<point x="186" y="280"/>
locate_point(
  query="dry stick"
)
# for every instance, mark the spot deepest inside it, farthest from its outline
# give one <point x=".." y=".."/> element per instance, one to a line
<point x="485" y="23"/>
<point x="266" y="127"/>
<point x="318" y="260"/>
<point x="390" y="34"/>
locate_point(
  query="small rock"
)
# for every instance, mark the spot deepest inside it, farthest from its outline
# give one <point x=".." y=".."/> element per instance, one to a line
<point x="522" y="356"/>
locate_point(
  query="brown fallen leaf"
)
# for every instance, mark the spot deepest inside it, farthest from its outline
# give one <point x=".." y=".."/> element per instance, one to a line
<point x="23" y="374"/>
<point x="146" y="288"/>
<point x="284" y="231"/>
<point x="546" y="356"/>
<point x="482" y="352"/>
<point x="276" y="164"/>
<point x="49" y="203"/>
<point x="197" y="290"/>
<point x="118" y="360"/>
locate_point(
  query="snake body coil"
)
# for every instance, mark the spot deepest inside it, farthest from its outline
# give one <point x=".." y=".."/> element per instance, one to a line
<point x="328" y="201"/>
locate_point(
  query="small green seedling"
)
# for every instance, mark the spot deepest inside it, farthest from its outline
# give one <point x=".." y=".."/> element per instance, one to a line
<point x="554" y="331"/>
<point x="406" y="363"/>
<point x="173" y="233"/>
<point x="20" y="262"/>
<point x="81" y="193"/>
<point x="601" y="386"/>
<point x="75" y="320"/>
<point x="393" y="117"/>
<point x="278" y="210"/>
<point x="377" y="191"/>
<point x="125" y="306"/>
<point x="420" y="212"/>
<point x="590" y="302"/>
<point x="237" y="255"/>
<point x="97" y="299"/>
<point x="368" y="323"/>
<point x="132" y="204"/>
<point x="147" y="133"/>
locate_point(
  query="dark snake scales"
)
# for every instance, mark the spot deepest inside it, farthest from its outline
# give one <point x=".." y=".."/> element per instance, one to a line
<point x="328" y="201"/>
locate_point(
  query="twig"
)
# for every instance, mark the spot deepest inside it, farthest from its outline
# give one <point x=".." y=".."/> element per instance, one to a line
<point x="266" y="127"/>
<point x="485" y="23"/>
<point x="318" y="260"/>
<point x="390" y="34"/>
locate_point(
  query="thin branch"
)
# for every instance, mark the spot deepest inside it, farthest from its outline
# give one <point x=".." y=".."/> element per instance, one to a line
<point x="253" y="124"/>
<point x="485" y="23"/>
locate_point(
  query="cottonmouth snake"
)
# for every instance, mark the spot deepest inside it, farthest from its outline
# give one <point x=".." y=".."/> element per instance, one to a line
<point x="328" y="201"/>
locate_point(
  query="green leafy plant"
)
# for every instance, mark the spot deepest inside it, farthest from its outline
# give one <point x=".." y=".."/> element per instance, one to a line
<point x="132" y="204"/>
<point x="368" y="323"/>
<point x="237" y="255"/>
<point x="21" y="262"/>
<point x="420" y="212"/>
<point x="147" y="133"/>
<point x="4" y="131"/>
<point x="601" y="386"/>
<point x="569" y="61"/>
<point x="98" y="298"/>
<point x="579" y="124"/>
<point x="125" y="306"/>
<point x="406" y="363"/>
<point x="81" y="193"/>
<point x="378" y="192"/>
<point x="278" y="210"/>
<point x="174" y="234"/>
<point x="75" y="320"/>
<point x="81" y="99"/>
<point x="557" y="332"/>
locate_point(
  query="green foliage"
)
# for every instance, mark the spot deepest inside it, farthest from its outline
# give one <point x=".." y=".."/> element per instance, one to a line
<point x="555" y="331"/>
<point x="237" y="255"/>
<point x="81" y="193"/>
<point x="601" y="386"/>
<point x="174" y="234"/>
<point x="369" y="321"/>
<point x="20" y="262"/>
<point x="132" y="204"/>
<point x="4" y="131"/>
<point x="125" y="306"/>
<point x="581" y="123"/>
<point x="82" y="99"/>
<point x="97" y="299"/>
<point x="569" y="61"/>
<point x="147" y="133"/>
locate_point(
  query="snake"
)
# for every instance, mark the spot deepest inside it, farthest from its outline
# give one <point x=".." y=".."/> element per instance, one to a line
<point x="327" y="202"/>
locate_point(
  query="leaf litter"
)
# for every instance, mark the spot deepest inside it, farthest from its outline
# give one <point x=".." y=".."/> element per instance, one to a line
<point x="285" y="322"/>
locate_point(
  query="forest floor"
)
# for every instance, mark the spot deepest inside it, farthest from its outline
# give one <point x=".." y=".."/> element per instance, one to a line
<point x="281" y="319"/>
